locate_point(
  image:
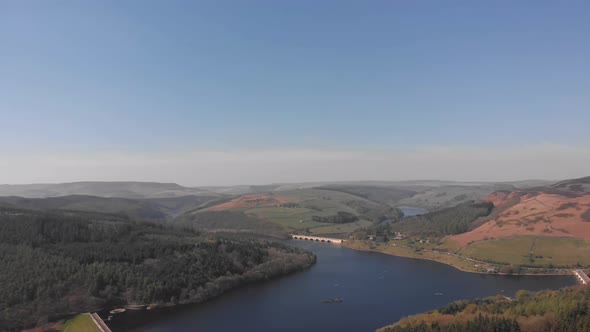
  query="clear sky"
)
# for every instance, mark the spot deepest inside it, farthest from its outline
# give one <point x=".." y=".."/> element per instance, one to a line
<point x="224" y="92"/>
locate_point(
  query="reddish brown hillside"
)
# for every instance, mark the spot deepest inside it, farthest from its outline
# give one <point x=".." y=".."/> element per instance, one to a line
<point x="251" y="201"/>
<point x="552" y="211"/>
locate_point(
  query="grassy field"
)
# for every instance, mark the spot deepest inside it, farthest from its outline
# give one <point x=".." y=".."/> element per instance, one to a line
<point x="288" y="218"/>
<point x="340" y="228"/>
<point x="563" y="251"/>
<point x="80" y="323"/>
<point x="531" y="251"/>
<point x="324" y="202"/>
<point x="449" y="244"/>
<point x="514" y="250"/>
<point x="300" y="218"/>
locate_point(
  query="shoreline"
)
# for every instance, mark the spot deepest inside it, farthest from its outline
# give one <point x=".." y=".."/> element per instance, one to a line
<point x="350" y="245"/>
<point x="245" y="279"/>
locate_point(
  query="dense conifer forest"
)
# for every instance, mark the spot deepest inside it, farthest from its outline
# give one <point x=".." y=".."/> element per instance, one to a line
<point x="341" y="217"/>
<point x="449" y="221"/>
<point x="58" y="263"/>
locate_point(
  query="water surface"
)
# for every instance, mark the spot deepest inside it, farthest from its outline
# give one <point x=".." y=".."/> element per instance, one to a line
<point x="412" y="211"/>
<point x="377" y="290"/>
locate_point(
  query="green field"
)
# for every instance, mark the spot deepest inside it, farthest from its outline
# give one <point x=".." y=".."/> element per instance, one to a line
<point x="563" y="251"/>
<point x="292" y="219"/>
<point x="513" y="250"/>
<point x="312" y="202"/>
<point x="531" y="251"/>
<point x="80" y="323"/>
<point x="340" y="228"/>
<point x="288" y="218"/>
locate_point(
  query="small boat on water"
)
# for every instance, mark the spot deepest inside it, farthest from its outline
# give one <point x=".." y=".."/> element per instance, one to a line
<point x="334" y="300"/>
<point x="136" y="306"/>
<point x="117" y="311"/>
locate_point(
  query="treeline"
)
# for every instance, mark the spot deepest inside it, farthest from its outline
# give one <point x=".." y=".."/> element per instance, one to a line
<point x="479" y="324"/>
<point x="150" y="209"/>
<point x="341" y="217"/>
<point x="58" y="263"/>
<point x="449" y="221"/>
<point x="377" y="213"/>
<point x="290" y="205"/>
<point x="562" y="310"/>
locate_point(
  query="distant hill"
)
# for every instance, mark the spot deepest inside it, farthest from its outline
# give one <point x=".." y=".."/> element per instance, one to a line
<point x="537" y="229"/>
<point x="306" y="210"/>
<point x="545" y="226"/>
<point x="445" y="196"/>
<point x="154" y="209"/>
<point x="303" y="207"/>
<point x="558" y="210"/>
<point x="102" y="189"/>
<point x="428" y="194"/>
<point x="413" y="185"/>
<point x="573" y="187"/>
<point x="379" y="194"/>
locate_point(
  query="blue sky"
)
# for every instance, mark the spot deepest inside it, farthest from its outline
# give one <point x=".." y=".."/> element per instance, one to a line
<point x="149" y="77"/>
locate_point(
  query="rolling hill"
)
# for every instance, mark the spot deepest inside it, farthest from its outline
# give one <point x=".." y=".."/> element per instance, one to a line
<point x="154" y="209"/>
<point x="559" y="210"/>
<point x="307" y="210"/>
<point x="540" y="229"/>
<point x="541" y="226"/>
<point x="304" y="207"/>
<point x="102" y="189"/>
<point x="284" y="208"/>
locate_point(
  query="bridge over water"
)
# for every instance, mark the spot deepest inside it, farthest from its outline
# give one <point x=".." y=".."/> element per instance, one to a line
<point x="582" y="277"/>
<point x="316" y="238"/>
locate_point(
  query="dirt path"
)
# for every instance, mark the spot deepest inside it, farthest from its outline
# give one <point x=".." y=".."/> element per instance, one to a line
<point x="99" y="322"/>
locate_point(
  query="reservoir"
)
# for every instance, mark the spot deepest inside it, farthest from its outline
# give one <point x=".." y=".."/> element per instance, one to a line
<point x="376" y="290"/>
<point x="412" y="211"/>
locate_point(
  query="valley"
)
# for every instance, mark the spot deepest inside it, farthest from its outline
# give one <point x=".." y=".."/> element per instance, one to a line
<point x="494" y="228"/>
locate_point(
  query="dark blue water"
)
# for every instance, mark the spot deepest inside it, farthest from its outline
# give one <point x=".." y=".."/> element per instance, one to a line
<point x="377" y="290"/>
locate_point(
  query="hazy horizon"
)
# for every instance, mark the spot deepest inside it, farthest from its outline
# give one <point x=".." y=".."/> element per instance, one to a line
<point x="278" y="183"/>
<point x="255" y="167"/>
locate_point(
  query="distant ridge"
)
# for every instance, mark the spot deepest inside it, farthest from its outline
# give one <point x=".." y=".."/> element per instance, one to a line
<point x="101" y="189"/>
<point x="136" y="189"/>
<point x="153" y="209"/>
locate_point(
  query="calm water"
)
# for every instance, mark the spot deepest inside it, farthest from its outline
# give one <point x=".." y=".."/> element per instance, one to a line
<point x="412" y="211"/>
<point x="377" y="289"/>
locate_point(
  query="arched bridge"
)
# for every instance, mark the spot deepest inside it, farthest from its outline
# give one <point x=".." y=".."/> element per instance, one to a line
<point x="316" y="238"/>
